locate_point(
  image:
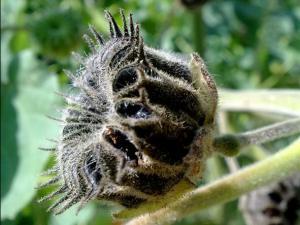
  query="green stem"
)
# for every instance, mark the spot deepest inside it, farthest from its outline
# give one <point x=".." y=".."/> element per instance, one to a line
<point x="230" y="144"/>
<point x="284" y="163"/>
<point x="270" y="133"/>
<point x="198" y="32"/>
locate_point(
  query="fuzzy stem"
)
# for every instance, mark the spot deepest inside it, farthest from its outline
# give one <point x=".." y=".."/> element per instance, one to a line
<point x="284" y="163"/>
<point x="270" y="133"/>
<point x="230" y="144"/>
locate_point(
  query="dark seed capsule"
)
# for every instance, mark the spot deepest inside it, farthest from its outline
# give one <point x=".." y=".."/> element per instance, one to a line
<point x="92" y="170"/>
<point x="124" y="78"/>
<point x="121" y="142"/>
<point x="147" y="106"/>
<point x="132" y="110"/>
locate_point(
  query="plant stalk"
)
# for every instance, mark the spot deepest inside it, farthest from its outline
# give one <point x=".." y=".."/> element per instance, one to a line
<point x="230" y="144"/>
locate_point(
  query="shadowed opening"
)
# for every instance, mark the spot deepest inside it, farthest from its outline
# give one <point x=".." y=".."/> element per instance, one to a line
<point x="275" y="197"/>
<point x="92" y="170"/>
<point x="132" y="110"/>
<point x="124" y="78"/>
<point x="292" y="212"/>
<point x="120" y="141"/>
<point x="272" y="212"/>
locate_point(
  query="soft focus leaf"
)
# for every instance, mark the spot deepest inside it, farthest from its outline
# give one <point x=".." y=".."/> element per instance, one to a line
<point x="284" y="102"/>
<point x="87" y="215"/>
<point x="9" y="9"/>
<point x="25" y="100"/>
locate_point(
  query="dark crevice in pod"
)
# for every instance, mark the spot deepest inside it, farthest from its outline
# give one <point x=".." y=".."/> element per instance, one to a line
<point x="92" y="169"/>
<point x="132" y="110"/>
<point x="124" y="78"/>
<point x="120" y="141"/>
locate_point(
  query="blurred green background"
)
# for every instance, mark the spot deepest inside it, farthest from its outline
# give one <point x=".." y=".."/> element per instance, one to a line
<point x="247" y="44"/>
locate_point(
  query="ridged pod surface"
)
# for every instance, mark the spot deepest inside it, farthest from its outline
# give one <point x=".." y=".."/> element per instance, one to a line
<point x="141" y="121"/>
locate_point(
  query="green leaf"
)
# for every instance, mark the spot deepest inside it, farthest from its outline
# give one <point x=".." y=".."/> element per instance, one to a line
<point x="25" y="101"/>
<point x="88" y="213"/>
<point x="9" y="9"/>
<point x="69" y="217"/>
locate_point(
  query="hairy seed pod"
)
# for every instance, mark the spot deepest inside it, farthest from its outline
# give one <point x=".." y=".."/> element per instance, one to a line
<point x="275" y="204"/>
<point x="141" y="121"/>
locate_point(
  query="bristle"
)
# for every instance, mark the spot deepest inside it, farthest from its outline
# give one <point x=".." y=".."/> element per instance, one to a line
<point x="96" y="35"/>
<point x="113" y="25"/>
<point x="73" y="135"/>
<point x="50" y="171"/>
<point x="125" y="27"/>
<point x="53" y="194"/>
<point x="67" y="205"/>
<point x="131" y="25"/>
<point x="67" y="98"/>
<point x="49" y="182"/>
<point x="77" y="57"/>
<point x="70" y="75"/>
<point x="87" y="112"/>
<point x="111" y="30"/>
<point x="52" y="140"/>
<point x="53" y="118"/>
<point x="47" y="149"/>
<point x="141" y="50"/>
<point x="137" y="35"/>
<point x="137" y="31"/>
<point x="89" y="42"/>
<point x="58" y="202"/>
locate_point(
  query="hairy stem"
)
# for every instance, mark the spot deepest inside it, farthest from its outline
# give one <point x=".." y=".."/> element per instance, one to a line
<point x="284" y="163"/>
<point x="230" y="144"/>
<point x="270" y="133"/>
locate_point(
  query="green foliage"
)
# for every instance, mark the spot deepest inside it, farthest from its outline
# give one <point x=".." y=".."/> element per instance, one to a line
<point x="54" y="28"/>
<point x="246" y="44"/>
<point x="25" y="101"/>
